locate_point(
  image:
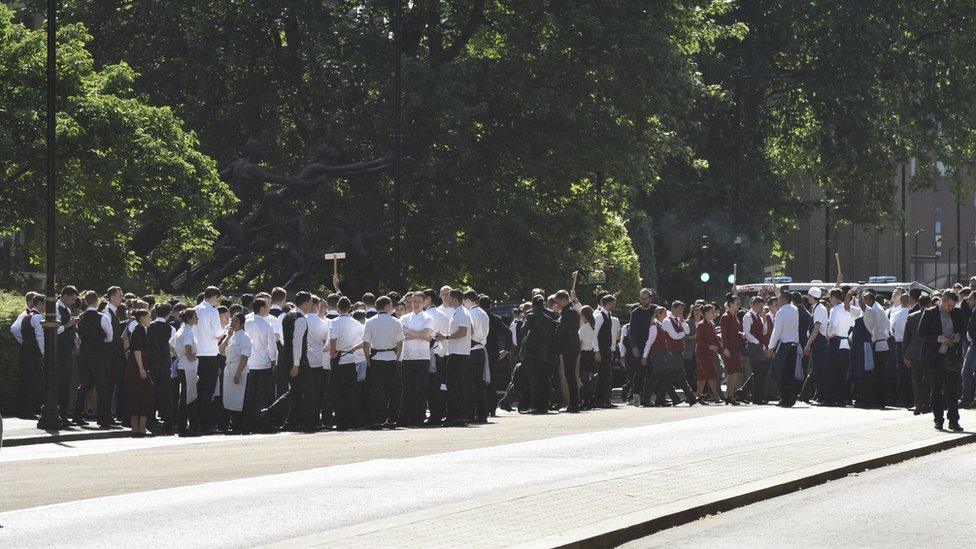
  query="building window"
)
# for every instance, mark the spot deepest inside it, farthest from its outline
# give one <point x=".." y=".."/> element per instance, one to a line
<point x="937" y="218"/>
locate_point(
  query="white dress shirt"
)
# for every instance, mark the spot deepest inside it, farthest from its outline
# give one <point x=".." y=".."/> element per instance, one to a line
<point x="839" y="324"/>
<point x="651" y="338"/>
<point x="347" y="333"/>
<point x="35" y="322"/>
<point x="264" y="343"/>
<point x="747" y="321"/>
<point x="479" y="327"/>
<point x="15" y="328"/>
<point x="383" y="332"/>
<point x="208" y="329"/>
<point x="614" y="333"/>
<point x="185" y="336"/>
<point x="442" y="322"/>
<point x="417" y="349"/>
<point x="587" y="337"/>
<point x="898" y="319"/>
<point x="820" y="316"/>
<point x="786" y="326"/>
<point x="668" y="326"/>
<point x="297" y="339"/>
<point x="460" y="345"/>
<point x="318" y="341"/>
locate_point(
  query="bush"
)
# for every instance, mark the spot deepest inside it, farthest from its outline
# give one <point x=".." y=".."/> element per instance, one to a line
<point x="11" y="305"/>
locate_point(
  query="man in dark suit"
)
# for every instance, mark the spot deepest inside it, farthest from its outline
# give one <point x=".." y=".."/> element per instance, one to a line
<point x="568" y="346"/>
<point x="498" y="346"/>
<point x="940" y="330"/>
<point x="912" y="346"/>
<point x="534" y="351"/>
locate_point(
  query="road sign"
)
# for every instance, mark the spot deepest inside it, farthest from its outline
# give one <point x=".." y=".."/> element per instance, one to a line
<point x="775" y="268"/>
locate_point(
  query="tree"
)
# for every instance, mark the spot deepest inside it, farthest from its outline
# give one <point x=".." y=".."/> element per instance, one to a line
<point x="121" y="162"/>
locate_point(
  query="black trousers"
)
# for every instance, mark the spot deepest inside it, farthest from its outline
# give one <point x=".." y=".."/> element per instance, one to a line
<point x="206" y="384"/>
<point x="437" y="390"/>
<point x="785" y="357"/>
<point x="921" y="393"/>
<point x="326" y="404"/>
<point x="518" y="388"/>
<point x="654" y="389"/>
<point x="944" y="388"/>
<point x="66" y="365"/>
<point x="457" y="366"/>
<point x="568" y="363"/>
<point x="537" y="371"/>
<point x="383" y="396"/>
<point x="258" y="395"/>
<point x="159" y="371"/>
<point x="475" y="396"/>
<point x="588" y="372"/>
<point x="29" y="397"/>
<point x="759" y="378"/>
<point x="604" y="379"/>
<point x="93" y="373"/>
<point x="413" y="386"/>
<point x="491" y="388"/>
<point x="343" y="385"/>
<point x="282" y="376"/>
<point x="187" y="415"/>
<point x="300" y="396"/>
<point x="115" y="359"/>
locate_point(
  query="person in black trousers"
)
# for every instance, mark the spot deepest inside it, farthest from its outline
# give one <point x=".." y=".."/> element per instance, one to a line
<point x="159" y="357"/>
<point x="940" y="330"/>
<point x="499" y="345"/>
<point x="538" y="330"/>
<point x="115" y="355"/>
<point x="96" y="333"/>
<point x="604" y="355"/>
<point x="294" y="359"/>
<point x="568" y="346"/>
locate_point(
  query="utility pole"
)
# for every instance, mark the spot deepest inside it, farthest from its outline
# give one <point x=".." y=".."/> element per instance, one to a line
<point x="397" y="140"/>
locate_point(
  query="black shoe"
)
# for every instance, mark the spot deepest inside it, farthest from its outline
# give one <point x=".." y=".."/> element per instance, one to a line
<point x="432" y="423"/>
<point x="80" y="422"/>
<point x="506" y="407"/>
<point x="939" y="426"/>
<point x="917" y="412"/>
<point x="955" y="427"/>
<point x="455" y="423"/>
<point x="189" y="434"/>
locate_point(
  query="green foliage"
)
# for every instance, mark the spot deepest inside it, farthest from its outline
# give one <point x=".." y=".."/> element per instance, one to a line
<point x="121" y="161"/>
<point x="11" y="305"/>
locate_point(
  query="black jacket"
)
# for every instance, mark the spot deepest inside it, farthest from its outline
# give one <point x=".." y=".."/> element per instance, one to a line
<point x="929" y="330"/>
<point x="567" y="331"/>
<point x="911" y="343"/>
<point x="537" y="332"/>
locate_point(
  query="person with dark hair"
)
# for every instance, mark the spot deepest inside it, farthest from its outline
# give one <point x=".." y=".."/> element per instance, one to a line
<point x="477" y="372"/>
<point x="184" y="344"/>
<point x="383" y="345"/>
<point x="588" y="365"/>
<point x="641" y="318"/>
<point x="877" y="324"/>
<point x="732" y="339"/>
<point x="95" y="333"/>
<point x="237" y="348"/>
<point x="604" y="354"/>
<point x="278" y="298"/>
<point x="157" y="361"/>
<point x="940" y="330"/>
<point x="332" y="306"/>
<point x="538" y="329"/>
<point x="786" y="368"/>
<point x="568" y="346"/>
<point x="708" y="345"/>
<point x="259" y="389"/>
<point x="369" y="300"/>
<point x="247" y="300"/>
<point x="115" y="355"/>
<point x="67" y="331"/>
<point x="912" y="345"/>
<point x="300" y="395"/>
<point x="140" y="397"/>
<point x="30" y="359"/>
<point x="208" y="332"/>
<point x="840" y="323"/>
<point x="458" y="339"/>
<point x="418" y="332"/>
<point x="816" y="348"/>
<point x="345" y="337"/>
<point x="318" y="346"/>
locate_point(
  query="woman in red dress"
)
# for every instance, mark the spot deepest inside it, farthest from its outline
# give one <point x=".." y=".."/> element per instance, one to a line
<point x="732" y="342"/>
<point x="707" y="344"/>
<point x="140" y="396"/>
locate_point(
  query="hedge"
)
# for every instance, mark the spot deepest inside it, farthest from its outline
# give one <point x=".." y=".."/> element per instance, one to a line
<point x="11" y="305"/>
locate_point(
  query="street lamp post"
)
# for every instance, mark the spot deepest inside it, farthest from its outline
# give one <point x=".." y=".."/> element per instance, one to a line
<point x="50" y="415"/>
<point x="397" y="138"/>
<point x="918" y="232"/>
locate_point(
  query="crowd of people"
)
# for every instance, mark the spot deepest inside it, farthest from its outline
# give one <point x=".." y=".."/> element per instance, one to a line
<point x="262" y="363"/>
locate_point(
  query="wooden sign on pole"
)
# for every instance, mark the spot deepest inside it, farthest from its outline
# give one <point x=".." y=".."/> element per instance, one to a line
<point x="572" y="290"/>
<point x="335" y="257"/>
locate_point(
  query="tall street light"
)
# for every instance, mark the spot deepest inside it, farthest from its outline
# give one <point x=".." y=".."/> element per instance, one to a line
<point x="50" y="416"/>
<point x="918" y="232"/>
<point x="397" y="139"/>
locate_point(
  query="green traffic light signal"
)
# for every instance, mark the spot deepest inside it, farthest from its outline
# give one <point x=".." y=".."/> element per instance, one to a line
<point x="705" y="277"/>
<point x="731" y="279"/>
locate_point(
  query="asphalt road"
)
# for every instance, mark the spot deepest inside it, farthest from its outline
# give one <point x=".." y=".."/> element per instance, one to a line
<point x="927" y="502"/>
<point x="260" y="490"/>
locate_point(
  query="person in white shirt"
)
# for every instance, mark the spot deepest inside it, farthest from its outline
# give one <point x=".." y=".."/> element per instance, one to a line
<point x="208" y="332"/>
<point x="476" y="398"/>
<point x="840" y="322"/>
<point x="458" y="354"/>
<point x="418" y="331"/>
<point x="816" y="347"/>
<point x="876" y="321"/>
<point x="783" y="345"/>
<point x="898" y="317"/>
<point x="237" y="347"/>
<point x="260" y="388"/>
<point x="345" y="337"/>
<point x="318" y="352"/>
<point x="184" y="346"/>
<point x="382" y="344"/>
<point x="437" y="380"/>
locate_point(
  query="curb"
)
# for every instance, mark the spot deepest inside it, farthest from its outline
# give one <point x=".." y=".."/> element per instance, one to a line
<point x="66" y="437"/>
<point x="617" y="535"/>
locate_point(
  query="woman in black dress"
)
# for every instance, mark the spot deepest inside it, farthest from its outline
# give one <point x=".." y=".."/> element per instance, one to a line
<point x="139" y="391"/>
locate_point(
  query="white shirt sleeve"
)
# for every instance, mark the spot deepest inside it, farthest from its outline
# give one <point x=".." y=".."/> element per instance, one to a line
<point x="777" y="328"/>
<point x="16" y="331"/>
<point x="669" y="328"/>
<point x="597" y="324"/>
<point x="106" y="323"/>
<point x="38" y="331"/>
<point x="651" y="338"/>
<point x="301" y="326"/>
<point x="747" y="329"/>
<point x="245" y="345"/>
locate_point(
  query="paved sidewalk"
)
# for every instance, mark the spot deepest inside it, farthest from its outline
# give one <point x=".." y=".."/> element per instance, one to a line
<point x="22" y="432"/>
<point x="621" y="505"/>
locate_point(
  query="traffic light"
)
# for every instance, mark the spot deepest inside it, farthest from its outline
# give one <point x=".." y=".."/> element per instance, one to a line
<point x="731" y="279"/>
<point x="704" y="277"/>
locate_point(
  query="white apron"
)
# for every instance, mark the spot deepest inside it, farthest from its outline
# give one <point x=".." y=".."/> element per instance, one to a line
<point x="233" y="395"/>
<point x="184" y="336"/>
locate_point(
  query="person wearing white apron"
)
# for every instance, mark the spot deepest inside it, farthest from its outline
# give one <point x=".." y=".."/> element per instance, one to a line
<point x="184" y="345"/>
<point x="236" y="347"/>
